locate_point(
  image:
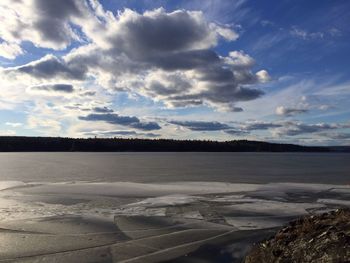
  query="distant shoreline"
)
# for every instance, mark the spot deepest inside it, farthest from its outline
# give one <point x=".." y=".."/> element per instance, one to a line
<point x="60" y="144"/>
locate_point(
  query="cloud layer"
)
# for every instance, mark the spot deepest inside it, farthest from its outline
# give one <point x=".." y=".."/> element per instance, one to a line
<point x="165" y="56"/>
<point x="113" y="118"/>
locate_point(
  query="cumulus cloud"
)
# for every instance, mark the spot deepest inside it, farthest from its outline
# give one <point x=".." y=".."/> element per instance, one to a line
<point x="284" y="111"/>
<point x="165" y="56"/>
<point x="44" y="23"/>
<point x="156" y="32"/>
<point x="129" y="121"/>
<point x="263" y="76"/>
<point x="168" y="57"/>
<point x="49" y="67"/>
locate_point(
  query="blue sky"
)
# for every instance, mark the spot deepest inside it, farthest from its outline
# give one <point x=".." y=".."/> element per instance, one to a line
<point x="222" y="70"/>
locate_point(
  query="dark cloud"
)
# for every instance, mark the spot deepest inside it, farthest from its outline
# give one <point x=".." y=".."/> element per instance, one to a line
<point x="62" y="88"/>
<point x="155" y="32"/>
<point x="146" y="126"/>
<point x="160" y="89"/>
<point x="245" y="94"/>
<point x="50" y="67"/>
<point x="57" y="9"/>
<point x="53" y="17"/>
<point x="185" y="103"/>
<point x="224" y="96"/>
<point x="237" y="109"/>
<point x="102" y="110"/>
<point x="202" y="125"/>
<point x="88" y="93"/>
<point x="284" y="111"/>
<point x="261" y="125"/>
<point x="184" y="60"/>
<point x="77" y="106"/>
<point x="128" y="121"/>
<point x="215" y="74"/>
<point x="175" y="84"/>
<point x="120" y="133"/>
<point x="236" y="132"/>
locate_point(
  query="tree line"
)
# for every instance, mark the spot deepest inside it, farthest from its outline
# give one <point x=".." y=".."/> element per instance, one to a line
<point x="60" y="144"/>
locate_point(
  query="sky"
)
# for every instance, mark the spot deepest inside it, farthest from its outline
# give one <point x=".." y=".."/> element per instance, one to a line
<point x="274" y="71"/>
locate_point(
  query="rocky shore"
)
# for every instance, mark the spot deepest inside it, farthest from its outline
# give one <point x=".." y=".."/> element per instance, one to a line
<point x="319" y="238"/>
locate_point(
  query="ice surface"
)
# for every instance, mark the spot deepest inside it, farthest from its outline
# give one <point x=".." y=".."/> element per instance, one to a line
<point x="90" y="221"/>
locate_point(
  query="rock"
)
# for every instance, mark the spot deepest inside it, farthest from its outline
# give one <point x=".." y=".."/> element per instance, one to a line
<point x="318" y="238"/>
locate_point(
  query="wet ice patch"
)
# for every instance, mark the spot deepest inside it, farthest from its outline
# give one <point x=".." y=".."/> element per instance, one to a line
<point x="170" y="205"/>
<point x="334" y="202"/>
<point x="275" y="208"/>
<point x="10" y="184"/>
<point x="169" y="200"/>
<point x="249" y="223"/>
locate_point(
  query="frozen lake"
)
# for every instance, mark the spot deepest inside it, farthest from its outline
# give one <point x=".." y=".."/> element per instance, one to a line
<point x="158" y="207"/>
<point x="169" y="167"/>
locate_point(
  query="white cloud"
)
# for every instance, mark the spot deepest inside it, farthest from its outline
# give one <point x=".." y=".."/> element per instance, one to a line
<point x="14" y="124"/>
<point x="316" y="35"/>
<point x="238" y="59"/>
<point x="263" y="76"/>
<point x="7" y="132"/>
<point x="46" y="124"/>
<point x="10" y="50"/>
